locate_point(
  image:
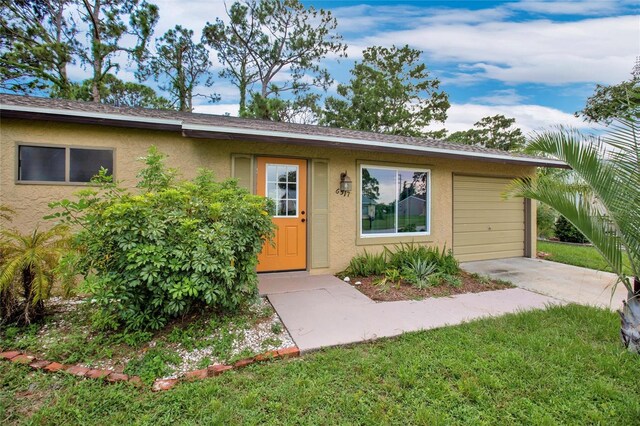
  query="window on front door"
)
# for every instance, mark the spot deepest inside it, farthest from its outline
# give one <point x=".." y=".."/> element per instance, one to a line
<point x="282" y="188"/>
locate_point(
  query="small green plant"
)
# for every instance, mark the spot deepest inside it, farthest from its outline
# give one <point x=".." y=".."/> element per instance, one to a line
<point x="503" y="282"/>
<point x="135" y="338"/>
<point x="204" y="362"/>
<point x="434" y="280"/>
<point x="156" y="362"/>
<point x="452" y="280"/>
<point x="392" y="275"/>
<point x="447" y="263"/>
<point x="566" y="232"/>
<point x="402" y="255"/>
<point x="482" y="279"/>
<point x="366" y="264"/>
<point x="28" y="265"/>
<point x="245" y="353"/>
<point x="270" y="342"/>
<point x="276" y="328"/>
<point x="418" y="271"/>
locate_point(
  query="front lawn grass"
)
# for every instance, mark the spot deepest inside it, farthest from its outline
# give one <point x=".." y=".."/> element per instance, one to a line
<point x="560" y="366"/>
<point x="584" y="256"/>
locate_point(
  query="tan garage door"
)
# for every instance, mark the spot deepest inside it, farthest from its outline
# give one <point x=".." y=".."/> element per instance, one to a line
<point x="484" y="225"/>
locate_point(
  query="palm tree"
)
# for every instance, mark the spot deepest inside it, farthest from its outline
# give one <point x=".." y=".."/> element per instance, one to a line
<point x="608" y="168"/>
<point x="27" y="270"/>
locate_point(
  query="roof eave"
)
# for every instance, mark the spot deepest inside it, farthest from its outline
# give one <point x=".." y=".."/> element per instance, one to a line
<point x="238" y="133"/>
<point x="234" y="133"/>
<point x="83" y="117"/>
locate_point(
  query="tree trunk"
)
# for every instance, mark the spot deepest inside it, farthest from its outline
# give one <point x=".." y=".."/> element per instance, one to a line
<point x="181" y="81"/>
<point x="27" y="285"/>
<point x="96" y="47"/>
<point x="7" y="305"/>
<point x="630" y="319"/>
<point x="65" y="87"/>
<point x="242" y="85"/>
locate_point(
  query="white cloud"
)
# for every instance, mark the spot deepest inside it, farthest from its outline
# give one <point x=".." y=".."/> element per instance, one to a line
<point x="500" y="97"/>
<point x="540" y="51"/>
<point x="529" y="118"/>
<point x="218" y="109"/>
<point x="223" y="88"/>
<point x="574" y="7"/>
<point x="451" y="16"/>
<point x="364" y="17"/>
<point x="193" y="14"/>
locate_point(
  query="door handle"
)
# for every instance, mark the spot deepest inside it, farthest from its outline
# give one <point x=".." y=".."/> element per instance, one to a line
<point x="303" y="220"/>
<point x="302" y="212"/>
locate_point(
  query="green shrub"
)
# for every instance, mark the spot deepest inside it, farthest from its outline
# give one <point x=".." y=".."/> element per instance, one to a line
<point x="452" y="280"/>
<point x="404" y="255"/>
<point x="366" y="264"/>
<point x="159" y="254"/>
<point x="392" y="275"/>
<point x="566" y="232"/>
<point x="444" y="259"/>
<point x="418" y="272"/>
<point x="546" y="219"/>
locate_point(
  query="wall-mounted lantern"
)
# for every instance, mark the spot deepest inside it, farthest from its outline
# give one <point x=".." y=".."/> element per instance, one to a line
<point x="345" y="185"/>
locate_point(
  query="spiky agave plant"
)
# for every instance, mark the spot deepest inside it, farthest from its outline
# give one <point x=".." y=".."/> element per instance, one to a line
<point x="27" y="270"/>
<point x="608" y="172"/>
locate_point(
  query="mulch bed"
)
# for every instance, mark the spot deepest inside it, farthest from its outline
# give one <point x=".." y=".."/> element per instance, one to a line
<point x="405" y="291"/>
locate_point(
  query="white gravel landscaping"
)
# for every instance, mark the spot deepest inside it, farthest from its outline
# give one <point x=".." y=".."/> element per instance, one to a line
<point x="197" y="341"/>
<point x="249" y="341"/>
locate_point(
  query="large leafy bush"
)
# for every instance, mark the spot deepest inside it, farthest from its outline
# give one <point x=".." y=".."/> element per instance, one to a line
<point x="168" y="249"/>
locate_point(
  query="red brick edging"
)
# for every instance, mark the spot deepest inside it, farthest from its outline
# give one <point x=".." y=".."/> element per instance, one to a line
<point x="111" y="376"/>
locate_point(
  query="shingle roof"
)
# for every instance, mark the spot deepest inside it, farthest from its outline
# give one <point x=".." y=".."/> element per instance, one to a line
<point x="53" y="109"/>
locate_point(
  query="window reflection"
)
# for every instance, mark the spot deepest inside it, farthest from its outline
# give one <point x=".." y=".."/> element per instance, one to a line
<point x="282" y="187"/>
<point x="394" y="201"/>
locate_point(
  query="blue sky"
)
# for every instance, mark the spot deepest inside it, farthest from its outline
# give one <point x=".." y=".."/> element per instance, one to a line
<point x="536" y="61"/>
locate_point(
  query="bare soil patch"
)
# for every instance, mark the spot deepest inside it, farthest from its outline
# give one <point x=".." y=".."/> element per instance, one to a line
<point x="471" y="283"/>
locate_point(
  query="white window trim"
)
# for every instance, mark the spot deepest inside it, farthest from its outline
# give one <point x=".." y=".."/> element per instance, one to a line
<point x="266" y="188"/>
<point x="395" y="234"/>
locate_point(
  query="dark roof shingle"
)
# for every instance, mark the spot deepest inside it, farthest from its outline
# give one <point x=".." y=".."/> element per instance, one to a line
<point x="202" y="121"/>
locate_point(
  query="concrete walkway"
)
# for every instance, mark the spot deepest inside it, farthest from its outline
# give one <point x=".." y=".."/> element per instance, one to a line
<point x="321" y="311"/>
<point x="565" y="282"/>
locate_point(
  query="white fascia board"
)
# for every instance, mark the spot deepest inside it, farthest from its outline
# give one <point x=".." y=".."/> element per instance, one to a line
<point x="363" y="142"/>
<point x="88" y="114"/>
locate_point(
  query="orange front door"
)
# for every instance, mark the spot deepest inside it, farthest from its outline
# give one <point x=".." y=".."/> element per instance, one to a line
<point x="284" y="180"/>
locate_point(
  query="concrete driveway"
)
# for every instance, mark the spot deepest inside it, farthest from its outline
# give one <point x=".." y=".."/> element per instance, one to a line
<point x="565" y="282"/>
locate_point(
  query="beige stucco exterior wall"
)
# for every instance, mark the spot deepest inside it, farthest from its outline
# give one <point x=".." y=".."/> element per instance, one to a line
<point x="187" y="154"/>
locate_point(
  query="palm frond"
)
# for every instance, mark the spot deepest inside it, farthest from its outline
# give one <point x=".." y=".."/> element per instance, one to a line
<point x="609" y="167"/>
<point x="9" y="271"/>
